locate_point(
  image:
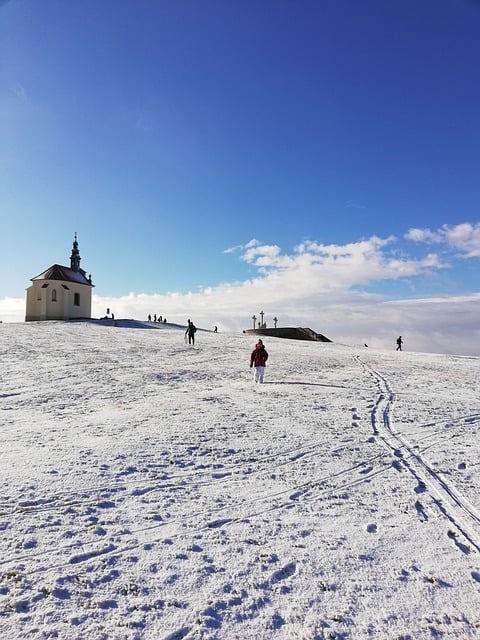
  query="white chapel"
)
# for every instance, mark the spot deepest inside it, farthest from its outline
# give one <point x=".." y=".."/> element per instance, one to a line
<point x="60" y="293"/>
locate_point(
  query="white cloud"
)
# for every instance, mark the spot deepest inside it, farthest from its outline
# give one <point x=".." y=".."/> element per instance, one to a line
<point x="319" y="267"/>
<point x="233" y="249"/>
<point x="423" y="235"/>
<point x="262" y="255"/>
<point x="12" y="310"/>
<point x="463" y="237"/>
<point x="443" y="325"/>
<point x="316" y="286"/>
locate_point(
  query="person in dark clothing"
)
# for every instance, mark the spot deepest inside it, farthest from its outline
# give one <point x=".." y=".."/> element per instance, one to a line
<point x="258" y="360"/>
<point x="399" y="343"/>
<point x="190" y="332"/>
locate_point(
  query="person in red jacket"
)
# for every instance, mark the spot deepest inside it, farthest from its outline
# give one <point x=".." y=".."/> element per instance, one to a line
<point x="258" y="360"/>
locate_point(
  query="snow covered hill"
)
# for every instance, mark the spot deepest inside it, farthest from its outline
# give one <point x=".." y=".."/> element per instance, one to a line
<point x="150" y="491"/>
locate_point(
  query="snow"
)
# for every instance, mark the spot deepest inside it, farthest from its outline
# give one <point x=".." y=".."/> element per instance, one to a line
<point x="149" y="490"/>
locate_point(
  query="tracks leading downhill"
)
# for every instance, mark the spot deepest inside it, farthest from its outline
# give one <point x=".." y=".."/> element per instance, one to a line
<point x="462" y="515"/>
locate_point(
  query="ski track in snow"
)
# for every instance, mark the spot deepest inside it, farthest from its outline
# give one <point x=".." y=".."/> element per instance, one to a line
<point x="199" y="506"/>
<point x="456" y="507"/>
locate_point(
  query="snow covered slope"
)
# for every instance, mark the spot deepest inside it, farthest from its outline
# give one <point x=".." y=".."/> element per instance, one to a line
<point x="149" y="490"/>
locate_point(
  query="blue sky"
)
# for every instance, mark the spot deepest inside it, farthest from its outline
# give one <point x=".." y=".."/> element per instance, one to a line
<point x="316" y="158"/>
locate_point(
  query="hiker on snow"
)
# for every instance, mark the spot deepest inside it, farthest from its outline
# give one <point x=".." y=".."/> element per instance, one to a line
<point x="399" y="343"/>
<point x="258" y="360"/>
<point x="191" y="329"/>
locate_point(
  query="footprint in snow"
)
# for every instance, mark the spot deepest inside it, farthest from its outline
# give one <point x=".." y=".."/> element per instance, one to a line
<point x="30" y="544"/>
<point x="420" y="488"/>
<point x="83" y="557"/>
<point x="179" y="634"/>
<point x="285" y="572"/>
<point x="462" y="547"/>
<point x="218" y="475"/>
<point x="366" y="470"/>
<point x="106" y="504"/>
<point x="218" y="523"/>
<point x="296" y="495"/>
<point x="421" y="511"/>
<point x="142" y="491"/>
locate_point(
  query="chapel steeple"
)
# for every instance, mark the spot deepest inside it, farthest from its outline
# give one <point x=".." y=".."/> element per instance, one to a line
<point x="75" y="257"/>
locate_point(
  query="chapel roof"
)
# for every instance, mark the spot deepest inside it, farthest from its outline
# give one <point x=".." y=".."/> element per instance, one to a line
<point x="59" y="272"/>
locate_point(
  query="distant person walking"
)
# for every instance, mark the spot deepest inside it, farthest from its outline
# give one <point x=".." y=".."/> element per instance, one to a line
<point x="190" y="332"/>
<point x="399" y="343"/>
<point x="258" y="360"/>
